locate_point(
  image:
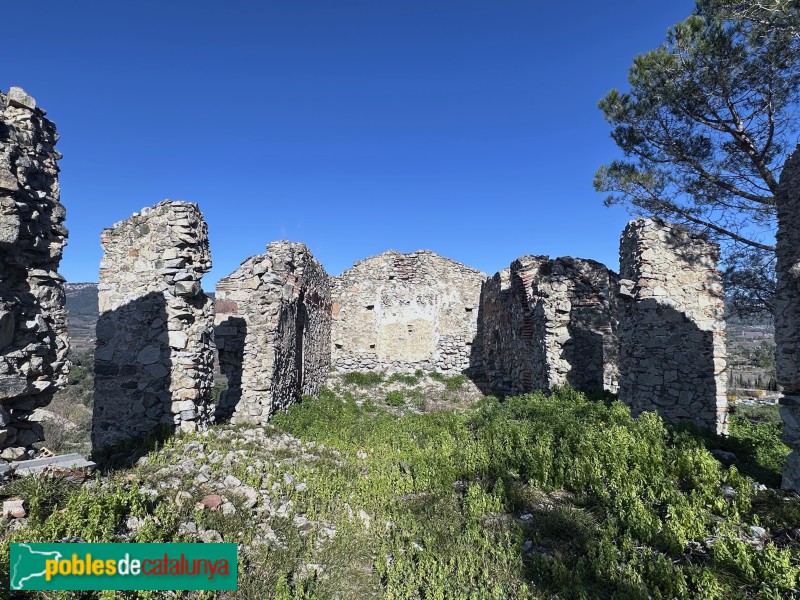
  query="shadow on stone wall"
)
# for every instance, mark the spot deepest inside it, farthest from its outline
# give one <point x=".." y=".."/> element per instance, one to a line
<point x="132" y="399"/>
<point x="584" y="375"/>
<point x="666" y="364"/>
<point x="230" y="337"/>
<point x="289" y="367"/>
<point x="479" y="369"/>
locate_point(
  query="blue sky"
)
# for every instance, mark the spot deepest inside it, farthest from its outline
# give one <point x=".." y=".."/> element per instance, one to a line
<point x="467" y="127"/>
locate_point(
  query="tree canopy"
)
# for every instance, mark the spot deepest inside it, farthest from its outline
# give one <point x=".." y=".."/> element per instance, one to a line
<point x="710" y="118"/>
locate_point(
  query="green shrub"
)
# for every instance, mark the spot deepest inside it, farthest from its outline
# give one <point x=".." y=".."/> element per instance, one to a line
<point x="405" y="378"/>
<point x="396" y="399"/>
<point x="452" y="382"/>
<point x="361" y="379"/>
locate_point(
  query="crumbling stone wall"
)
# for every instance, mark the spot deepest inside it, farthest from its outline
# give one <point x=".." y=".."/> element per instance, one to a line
<point x="671" y="325"/>
<point x="154" y="357"/>
<point x="787" y="313"/>
<point x="403" y="312"/>
<point x="273" y="332"/>
<point x="548" y="322"/>
<point x="33" y="333"/>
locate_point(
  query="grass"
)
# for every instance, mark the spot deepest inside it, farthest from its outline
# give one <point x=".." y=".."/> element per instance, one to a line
<point x="559" y="496"/>
<point x="453" y="382"/>
<point x="363" y="379"/>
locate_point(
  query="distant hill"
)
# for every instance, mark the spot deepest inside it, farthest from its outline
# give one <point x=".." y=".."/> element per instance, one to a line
<point x="83" y="312"/>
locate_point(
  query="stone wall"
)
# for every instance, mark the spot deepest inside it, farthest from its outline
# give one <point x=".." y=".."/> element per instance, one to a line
<point x="403" y="312"/>
<point x="787" y="313"/>
<point x="273" y="332"/>
<point x="33" y="334"/>
<point x="154" y="357"/>
<point x="671" y="328"/>
<point x="548" y="322"/>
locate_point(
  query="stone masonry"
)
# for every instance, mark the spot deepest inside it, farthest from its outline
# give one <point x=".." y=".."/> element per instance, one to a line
<point x="787" y="313"/>
<point x="671" y="326"/>
<point x="548" y="322"/>
<point x="273" y="332"/>
<point x="33" y="333"/>
<point x="403" y="312"/>
<point x="154" y="358"/>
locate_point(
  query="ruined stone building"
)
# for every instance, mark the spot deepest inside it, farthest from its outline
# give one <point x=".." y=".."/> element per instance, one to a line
<point x="154" y="356"/>
<point x="655" y="333"/>
<point x="671" y="325"/>
<point x="403" y="312"/>
<point x="787" y="313"/>
<point x="273" y="331"/>
<point x="549" y="322"/>
<point x="33" y="333"/>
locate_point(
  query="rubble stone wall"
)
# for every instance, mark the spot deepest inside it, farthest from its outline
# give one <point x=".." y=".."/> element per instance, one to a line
<point x="154" y="357"/>
<point x="787" y="313"/>
<point x="403" y="312"/>
<point x="33" y="332"/>
<point x="548" y="322"/>
<point x="273" y="332"/>
<point x="671" y="325"/>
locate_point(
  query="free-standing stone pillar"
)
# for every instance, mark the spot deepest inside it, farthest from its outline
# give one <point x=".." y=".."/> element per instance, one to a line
<point x="671" y="325"/>
<point x="273" y="332"/>
<point x="154" y="358"/>
<point x="787" y="313"/>
<point x="548" y="322"/>
<point x="33" y="332"/>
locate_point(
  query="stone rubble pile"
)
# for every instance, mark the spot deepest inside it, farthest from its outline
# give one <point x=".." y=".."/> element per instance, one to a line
<point x="33" y="332"/>
<point x="154" y="358"/>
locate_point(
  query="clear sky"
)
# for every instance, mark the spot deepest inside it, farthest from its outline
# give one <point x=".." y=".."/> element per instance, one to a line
<point x="469" y="127"/>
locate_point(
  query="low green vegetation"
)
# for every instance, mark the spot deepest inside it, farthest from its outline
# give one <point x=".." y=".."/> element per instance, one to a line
<point x="451" y="382"/>
<point x="363" y="379"/>
<point x="559" y="496"/>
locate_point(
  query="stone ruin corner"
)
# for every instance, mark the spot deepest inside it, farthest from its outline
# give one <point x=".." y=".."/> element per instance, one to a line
<point x="33" y="325"/>
<point x="154" y="357"/>
<point x="787" y="313"/>
<point x="273" y="332"/>
<point x="671" y="325"/>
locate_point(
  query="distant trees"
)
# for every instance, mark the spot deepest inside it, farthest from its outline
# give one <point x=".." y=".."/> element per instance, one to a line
<point x="705" y="129"/>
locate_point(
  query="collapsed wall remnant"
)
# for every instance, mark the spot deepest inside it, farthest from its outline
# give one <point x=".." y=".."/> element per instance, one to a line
<point x="154" y="358"/>
<point x="403" y="312"/>
<point x="671" y="325"/>
<point x="548" y="322"/>
<point x="33" y="325"/>
<point x="273" y="332"/>
<point x="787" y="313"/>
